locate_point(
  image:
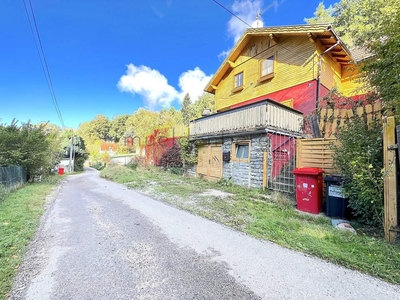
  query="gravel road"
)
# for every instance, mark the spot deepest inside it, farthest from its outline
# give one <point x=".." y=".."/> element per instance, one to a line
<point x="99" y="240"/>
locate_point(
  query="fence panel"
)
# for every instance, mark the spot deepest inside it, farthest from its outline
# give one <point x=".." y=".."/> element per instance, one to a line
<point x="13" y="176"/>
<point x="316" y="153"/>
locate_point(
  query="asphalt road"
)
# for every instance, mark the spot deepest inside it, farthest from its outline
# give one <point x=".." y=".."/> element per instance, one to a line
<point x="99" y="240"/>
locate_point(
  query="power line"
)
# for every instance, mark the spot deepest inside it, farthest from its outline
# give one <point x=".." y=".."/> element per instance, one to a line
<point x="42" y="57"/>
<point x="232" y="13"/>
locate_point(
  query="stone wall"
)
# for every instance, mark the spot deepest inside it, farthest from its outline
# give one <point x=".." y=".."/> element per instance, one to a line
<point x="249" y="174"/>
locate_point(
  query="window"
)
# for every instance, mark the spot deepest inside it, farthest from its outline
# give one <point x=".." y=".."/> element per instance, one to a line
<point x="241" y="150"/>
<point x="267" y="67"/>
<point x="239" y="80"/>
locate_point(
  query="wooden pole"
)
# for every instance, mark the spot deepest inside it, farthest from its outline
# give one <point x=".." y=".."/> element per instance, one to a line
<point x="390" y="182"/>
<point x="265" y="169"/>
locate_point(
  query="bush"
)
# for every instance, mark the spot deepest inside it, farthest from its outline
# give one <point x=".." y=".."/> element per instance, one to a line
<point x="98" y="165"/>
<point x="78" y="165"/>
<point x="176" y="171"/>
<point x="171" y="158"/>
<point x="132" y="165"/>
<point x="359" y="157"/>
<point x="136" y="161"/>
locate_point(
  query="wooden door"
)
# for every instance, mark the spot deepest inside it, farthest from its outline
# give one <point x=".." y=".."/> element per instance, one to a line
<point x="209" y="163"/>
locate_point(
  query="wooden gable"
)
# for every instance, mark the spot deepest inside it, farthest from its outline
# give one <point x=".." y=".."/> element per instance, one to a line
<point x="296" y="50"/>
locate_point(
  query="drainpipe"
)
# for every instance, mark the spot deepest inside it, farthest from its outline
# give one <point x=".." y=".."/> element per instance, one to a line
<point x="319" y="72"/>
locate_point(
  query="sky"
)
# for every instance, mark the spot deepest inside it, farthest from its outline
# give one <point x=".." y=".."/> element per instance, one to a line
<point x="113" y="57"/>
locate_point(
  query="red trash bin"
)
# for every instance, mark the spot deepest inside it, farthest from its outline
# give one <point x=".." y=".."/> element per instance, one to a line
<point x="61" y="171"/>
<point x="309" y="186"/>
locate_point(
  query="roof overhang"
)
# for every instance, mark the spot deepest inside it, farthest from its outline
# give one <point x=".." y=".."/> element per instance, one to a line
<point x="322" y="33"/>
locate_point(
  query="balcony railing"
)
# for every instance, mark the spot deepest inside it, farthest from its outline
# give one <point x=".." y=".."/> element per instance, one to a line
<point x="267" y="114"/>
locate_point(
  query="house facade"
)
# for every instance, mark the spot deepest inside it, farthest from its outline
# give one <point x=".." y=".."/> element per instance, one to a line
<point x="286" y="71"/>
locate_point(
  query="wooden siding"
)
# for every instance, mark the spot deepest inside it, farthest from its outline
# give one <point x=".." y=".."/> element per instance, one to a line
<point x="344" y="78"/>
<point x="290" y="69"/>
<point x="244" y="119"/>
<point x="296" y="62"/>
<point x="315" y="153"/>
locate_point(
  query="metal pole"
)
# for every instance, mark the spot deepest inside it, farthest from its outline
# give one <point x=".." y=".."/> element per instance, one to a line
<point x="70" y="157"/>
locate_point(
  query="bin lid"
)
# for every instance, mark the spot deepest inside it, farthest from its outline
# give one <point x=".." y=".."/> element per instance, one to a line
<point x="333" y="178"/>
<point x="307" y="171"/>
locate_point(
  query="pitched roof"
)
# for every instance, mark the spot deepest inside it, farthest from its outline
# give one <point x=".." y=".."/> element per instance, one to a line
<point x="321" y="32"/>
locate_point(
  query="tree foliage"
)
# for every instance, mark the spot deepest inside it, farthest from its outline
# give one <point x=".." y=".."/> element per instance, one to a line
<point x="187" y="110"/>
<point x="359" y="157"/>
<point x="207" y="100"/>
<point x="118" y="128"/>
<point x="27" y="145"/>
<point x="171" y="158"/>
<point x="374" y="26"/>
<point x="322" y="15"/>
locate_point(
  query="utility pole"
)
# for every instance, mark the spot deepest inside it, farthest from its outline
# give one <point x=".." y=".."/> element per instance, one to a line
<point x="70" y="156"/>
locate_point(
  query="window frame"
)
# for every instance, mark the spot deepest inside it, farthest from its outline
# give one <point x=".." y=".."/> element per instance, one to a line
<point x="271" y="74"/>
<point x="238" y="88"/>
<point x="235" y="146"/>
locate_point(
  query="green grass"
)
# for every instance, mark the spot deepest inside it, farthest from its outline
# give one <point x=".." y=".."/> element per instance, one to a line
<point x="20" y="214"/>
<point x="269" y="216"/>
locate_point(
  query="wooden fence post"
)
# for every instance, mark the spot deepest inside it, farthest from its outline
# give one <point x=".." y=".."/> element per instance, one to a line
<point x="390" y="182"/>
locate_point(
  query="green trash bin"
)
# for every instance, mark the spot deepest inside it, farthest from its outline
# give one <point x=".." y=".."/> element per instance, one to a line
<point x="336" y="203"/>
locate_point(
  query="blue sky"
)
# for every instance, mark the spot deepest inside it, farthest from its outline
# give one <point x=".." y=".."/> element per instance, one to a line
<point x="112" y="57"/>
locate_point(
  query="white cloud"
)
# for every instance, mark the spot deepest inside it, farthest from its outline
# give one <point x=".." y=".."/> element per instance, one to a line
<point x="193" y="82"/>
<point x="246" y="10"/>
<point x="148" y="83"/>
<point x="153" y="86"/>
<point x="224" y="54"/>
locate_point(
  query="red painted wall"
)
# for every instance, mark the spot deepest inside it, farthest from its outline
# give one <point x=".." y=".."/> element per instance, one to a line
<point x="303" y="95"/>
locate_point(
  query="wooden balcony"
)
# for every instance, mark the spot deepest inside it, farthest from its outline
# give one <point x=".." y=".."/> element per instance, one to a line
<point x="267" y="115"/>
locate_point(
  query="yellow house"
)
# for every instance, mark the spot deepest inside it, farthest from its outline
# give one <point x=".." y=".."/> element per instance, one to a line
<point x="270" y="79"/>
<point x="294" y="65"/>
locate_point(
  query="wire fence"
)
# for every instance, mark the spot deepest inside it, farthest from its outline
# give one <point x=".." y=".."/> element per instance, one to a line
<point x="13" y="176"/>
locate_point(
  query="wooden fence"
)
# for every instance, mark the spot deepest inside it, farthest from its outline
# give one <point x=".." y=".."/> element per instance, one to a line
<point x="390" y="180"/>
<point x="331" y="119"/>
<point x="317" y="153"/>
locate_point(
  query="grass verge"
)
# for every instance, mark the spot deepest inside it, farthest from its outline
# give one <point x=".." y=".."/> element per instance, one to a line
<point x="20" y="213"/>
<point x="268" y="216"/>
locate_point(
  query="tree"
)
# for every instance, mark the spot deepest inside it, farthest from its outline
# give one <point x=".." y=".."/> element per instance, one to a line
<point x="383" y="73"/>
<point x="321" y="15"/>
<point x="29" y="146"/>
<point x="207" y="100"/>
<point x="374" y="26"/>
<point x="187" y="110"/>
<point x="363" y="21"/>
<point x="169" y="118"/>
<point x="118" y="127"/>
<point x="143" y="123"/>
<point x="74" y="147"/>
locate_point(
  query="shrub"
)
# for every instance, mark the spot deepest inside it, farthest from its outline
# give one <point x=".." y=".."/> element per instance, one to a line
<point x="176" y="171"/>
<point x="98" y="165"/>
<point x="359" y="157"/>
<point x="171" y="158"/>
<point x="79" y="162"/>
<point x="136" y="161"/>
<point x="132" y="165"/>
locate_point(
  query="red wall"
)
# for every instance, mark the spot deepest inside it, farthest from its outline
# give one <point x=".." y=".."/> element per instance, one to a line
<point x="303" y="95"/>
